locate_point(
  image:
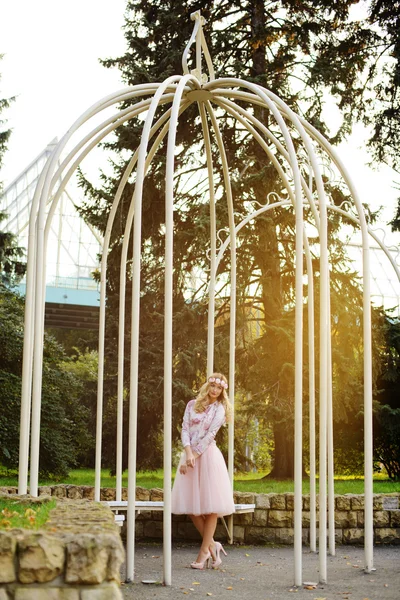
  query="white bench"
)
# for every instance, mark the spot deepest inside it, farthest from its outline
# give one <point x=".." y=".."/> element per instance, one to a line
<point x="122" y="505"/>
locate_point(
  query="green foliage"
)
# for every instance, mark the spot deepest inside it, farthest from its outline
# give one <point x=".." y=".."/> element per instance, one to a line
<point x="387" y="409"/>
<point x="243" y="482"/>
<point x="28" y="516"/>
<point x="63" y="418"/>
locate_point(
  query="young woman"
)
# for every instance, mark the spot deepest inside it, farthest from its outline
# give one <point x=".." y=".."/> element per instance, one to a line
<point x="202" y="488"/>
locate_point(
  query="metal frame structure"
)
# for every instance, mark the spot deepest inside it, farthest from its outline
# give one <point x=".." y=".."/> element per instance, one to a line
<point x="177" y="93"/>
<point x="75" y="245"/>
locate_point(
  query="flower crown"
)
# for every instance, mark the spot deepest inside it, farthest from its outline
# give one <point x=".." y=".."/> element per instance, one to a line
<point x="219" y="381"/>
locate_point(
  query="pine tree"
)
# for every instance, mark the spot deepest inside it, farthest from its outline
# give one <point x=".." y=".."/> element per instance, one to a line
<point x="300" y="51"/>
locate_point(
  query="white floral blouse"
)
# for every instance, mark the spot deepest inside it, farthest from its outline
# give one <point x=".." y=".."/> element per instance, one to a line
<point x="200" y="429"/>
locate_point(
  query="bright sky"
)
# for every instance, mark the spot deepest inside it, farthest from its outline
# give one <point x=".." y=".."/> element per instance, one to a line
<point x="51" y="65"/>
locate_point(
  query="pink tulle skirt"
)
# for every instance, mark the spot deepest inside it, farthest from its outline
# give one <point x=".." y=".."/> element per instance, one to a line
<point x="206" y="488"/>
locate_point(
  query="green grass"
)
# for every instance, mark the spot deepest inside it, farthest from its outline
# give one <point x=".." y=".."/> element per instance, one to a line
<point x="26" y="516"/>
<point x="244" y="482"/>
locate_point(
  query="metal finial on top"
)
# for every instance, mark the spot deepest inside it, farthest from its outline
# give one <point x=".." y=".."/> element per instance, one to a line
<point x="201" y="45"/>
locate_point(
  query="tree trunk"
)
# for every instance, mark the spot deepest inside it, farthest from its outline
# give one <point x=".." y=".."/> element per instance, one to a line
<point x="283" y="455"/>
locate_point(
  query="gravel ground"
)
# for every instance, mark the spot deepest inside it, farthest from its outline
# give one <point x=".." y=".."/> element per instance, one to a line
<point x="266" y="573"/>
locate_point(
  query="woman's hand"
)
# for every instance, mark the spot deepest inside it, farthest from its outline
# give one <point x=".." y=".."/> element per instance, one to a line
<point x="190" y="457"/>
<point x="183" y="469"/>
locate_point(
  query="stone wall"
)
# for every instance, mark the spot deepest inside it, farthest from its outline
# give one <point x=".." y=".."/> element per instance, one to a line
<point x="76" y="555"/>
<point x="271" y="522"/>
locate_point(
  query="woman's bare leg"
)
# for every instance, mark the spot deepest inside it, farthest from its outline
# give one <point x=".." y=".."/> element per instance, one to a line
<point x="198" y="522"/>
<point x="210" y="524"/>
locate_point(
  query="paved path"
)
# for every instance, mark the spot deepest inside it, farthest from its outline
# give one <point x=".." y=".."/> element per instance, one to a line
<point x="266" y="573"/>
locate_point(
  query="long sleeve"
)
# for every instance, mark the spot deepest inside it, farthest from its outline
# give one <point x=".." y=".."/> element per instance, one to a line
<point x="216" y="423"/>
<point x="185" y="434"/>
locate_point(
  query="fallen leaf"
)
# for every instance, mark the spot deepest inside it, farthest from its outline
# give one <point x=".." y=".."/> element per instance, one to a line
<point x="229" y="587"/>
<point x="195" y="582"/>
<point x="191" y="589"/>
<point x="310" y="587"/>
<point x="320" y="598"/>
<point x="242" y="579"/>
<point x="155" y="557"/>
<point x="247" y="554"/>
<point x="385" y="585"/>
<point x="209" y="594"/>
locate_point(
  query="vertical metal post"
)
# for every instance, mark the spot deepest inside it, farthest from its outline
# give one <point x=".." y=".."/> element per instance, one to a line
<point x="213" y="236"/>
<point x="331" y="486"/>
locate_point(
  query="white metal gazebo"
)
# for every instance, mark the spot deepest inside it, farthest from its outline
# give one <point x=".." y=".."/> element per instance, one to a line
<point x="297" y="137"/>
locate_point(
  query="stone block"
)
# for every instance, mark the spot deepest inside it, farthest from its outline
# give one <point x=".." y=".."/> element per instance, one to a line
<point x="87" y="559"/>
<point x="74" y="492"/>
<point x="289" y="500"/>
<point x="260" y="517"/>
<point x="3" y="594"/>
<point x="307" y="502"/>
<point x="188" y="531"/>
<point x="156" y="495"/>
<point x="343" y="502"/>
<point x="238" y="534"/>
<point x="143" y="515"/>
<point x="139" y="529"/>
<point x="353" y="536"/>
<point x="338" y="535"/>
<point x="277" y="501"/>
<point x="346" y="519"/>
<point x="116" y="556"/>
<point x="360" y="518"/>
<point x="391" y="501"/>
<point x="306" y="518"/>
<point x="124" y="495"/>
<point x="41" y="558"/>
<point x="7" y="554"/>
<point x="280" y="518"/>
<point x="284" y="535"/>
<point x="142" y="494"/>
<point x="44" y="490"/>
<point x="243" y="519"/>
<point x="387" y="536"/>
<point x="88" y="492"/>
<point x="357" y="502"/>
<point x="220" y="532"/>
<point x="59" y="491"/>
<point x="381" y="518"/>
<point x="394" y="518"/>
<point x="153" y="529"/>
<point x="244" y="498"/>
<point x="105" y="592"/>
<point x="45" y="593"/>
<point x="157" y="515"/>
<point x="107" y="494"/>
<point x="257" y="535"/>
<point x="262" y="501"/>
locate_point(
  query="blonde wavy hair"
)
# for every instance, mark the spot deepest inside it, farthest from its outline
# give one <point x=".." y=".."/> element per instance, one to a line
<point x="201" y="402"/>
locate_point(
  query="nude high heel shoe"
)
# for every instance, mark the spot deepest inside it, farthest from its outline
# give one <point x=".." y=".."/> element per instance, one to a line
<point x="202" y="565"/>
<point x="218" y="560"/>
